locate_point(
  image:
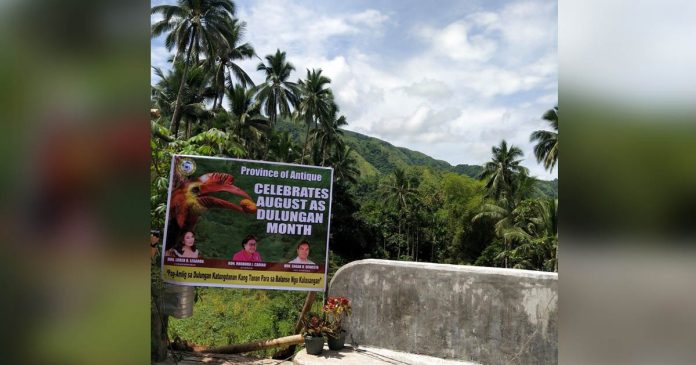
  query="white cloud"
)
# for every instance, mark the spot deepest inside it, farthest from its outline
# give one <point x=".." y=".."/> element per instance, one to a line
<point x="457" y="42"/>
<point x="430" y="89"/>
<point x="484" y="19"/>
<point x="529" y="24"/>
<point x="307" y="33"/>
<point x="548" y="99"/>
<point x="370" y="18"/>
<point x="491" y="54"/>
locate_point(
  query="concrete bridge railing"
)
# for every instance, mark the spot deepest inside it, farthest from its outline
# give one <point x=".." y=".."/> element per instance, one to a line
<point x="480" y="314"/>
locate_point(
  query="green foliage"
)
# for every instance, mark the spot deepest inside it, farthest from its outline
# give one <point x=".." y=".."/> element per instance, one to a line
<point x="365" y="168"/>
<point x="503" y="172"/>
<point x="548" y="188"/>
<point x="546" y="149"/>
<point x="462" y="198"/>
<point x="375" y="156"/>
<point x="386" y="158"/>
<point x="315" y="325"/>
<point x="228" y="316"/>
<point x="277" y="94"/>
<point x="468" y="170"/>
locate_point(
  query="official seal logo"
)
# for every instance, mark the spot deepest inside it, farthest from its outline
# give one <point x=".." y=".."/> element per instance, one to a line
<point x="186" y="167"/>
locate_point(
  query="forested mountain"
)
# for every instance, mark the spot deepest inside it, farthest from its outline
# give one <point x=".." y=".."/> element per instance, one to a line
<point x="377" y="157"/>
<point x="385" y="158"/>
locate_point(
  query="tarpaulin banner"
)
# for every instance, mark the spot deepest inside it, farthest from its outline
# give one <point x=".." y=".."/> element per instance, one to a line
<point x="247" y="224"/>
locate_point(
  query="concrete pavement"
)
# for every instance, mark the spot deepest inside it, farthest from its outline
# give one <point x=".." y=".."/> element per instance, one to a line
<point x="370" y="356"/>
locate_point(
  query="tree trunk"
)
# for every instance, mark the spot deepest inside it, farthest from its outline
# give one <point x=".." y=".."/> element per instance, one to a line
<point x="398" y="243"/>
<point x="257" y="345"/>
<point x="408" y="241"/>
<point x="158" y="335"/>
<point x="432" y="241"/>
<point x="161" y="136"/>
<point x="507" y="252"/>
<point x="272" y="121"/>
<point x="304" y="149"/>
<point x="176" y="116"/>
<point x="432" y="248"/>
<point x="282" y="354"/>
<point x="324" y="147"/>
<point x="215" y="101"/>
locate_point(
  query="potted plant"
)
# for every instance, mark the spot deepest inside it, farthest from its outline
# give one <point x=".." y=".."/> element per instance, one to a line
<point x="336" y="310"/>
<point x="314" y="328"/>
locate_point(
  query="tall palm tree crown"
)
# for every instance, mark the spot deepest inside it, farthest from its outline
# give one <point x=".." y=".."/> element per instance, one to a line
<point x="277" y="95"/>
<point x="246" y="119"/>
<point x="546" y="149"/>
<point x="316" y="100"/>
<point x="344" y="164"/>
<point x="500" y="173"/>
<point x="192" y="97"/>
<point x="193" y="27"/>
<point x="226" y="69"/>
<point x="399" y="190"/>
<point x="328" y="135"/>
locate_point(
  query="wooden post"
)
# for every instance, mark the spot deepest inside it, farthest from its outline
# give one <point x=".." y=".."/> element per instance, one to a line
<point x="285" y="353"/>
<point x="305" y="308"/>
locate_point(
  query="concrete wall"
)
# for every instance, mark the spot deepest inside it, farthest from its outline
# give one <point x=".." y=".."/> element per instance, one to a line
<point x="480" y="314"/>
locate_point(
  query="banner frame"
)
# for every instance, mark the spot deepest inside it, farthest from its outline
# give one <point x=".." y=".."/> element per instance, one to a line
<point x="262" y="287"/>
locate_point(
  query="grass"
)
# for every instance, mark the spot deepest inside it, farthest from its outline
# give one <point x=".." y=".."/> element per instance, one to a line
<point x="224" y="316"/>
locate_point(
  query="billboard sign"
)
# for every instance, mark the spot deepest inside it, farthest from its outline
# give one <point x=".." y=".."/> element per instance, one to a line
<point x="247" y="224"/>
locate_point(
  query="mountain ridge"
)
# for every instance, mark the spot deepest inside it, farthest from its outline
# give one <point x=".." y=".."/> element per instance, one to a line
<point x="383" y="157"/>
<point x="378" y="157"/>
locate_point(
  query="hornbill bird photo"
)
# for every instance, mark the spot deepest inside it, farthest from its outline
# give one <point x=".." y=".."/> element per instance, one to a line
<point x="190" y="198"/>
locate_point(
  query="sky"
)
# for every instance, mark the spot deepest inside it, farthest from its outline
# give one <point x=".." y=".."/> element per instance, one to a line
<point x="450" y="79"/>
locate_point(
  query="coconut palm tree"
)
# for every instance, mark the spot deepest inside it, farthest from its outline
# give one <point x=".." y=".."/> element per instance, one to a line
<point x="282" y="148"/>
<point x="527" y="231"/>
<point x="328" y="135"/>
<point x="191" y="97"/>
<point x="247" y="122"/>
<point x="399" y="190"/>
<point x="400" y="193"/>
<point x="316" y="100"/>
<point x="546" y="231"/>
<point x="343" y="164"/>
<point x="501" y="211"/>
<point x="546" y="149"/>
<point x="193" y="27"/>
<point x="501" y="172"/>
<point x="225" y="68"/>
<point x="538" y="241"/>
<point x="277" y="95"/>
